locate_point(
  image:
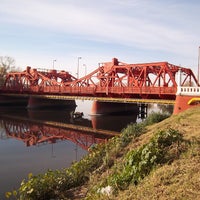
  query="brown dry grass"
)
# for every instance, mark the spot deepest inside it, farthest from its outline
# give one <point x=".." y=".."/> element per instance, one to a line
<point x="180" y="179"/>
<point x="188" y="123"/>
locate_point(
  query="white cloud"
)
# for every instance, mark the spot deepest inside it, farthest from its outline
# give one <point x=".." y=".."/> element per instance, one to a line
<point x="149" y="25"/>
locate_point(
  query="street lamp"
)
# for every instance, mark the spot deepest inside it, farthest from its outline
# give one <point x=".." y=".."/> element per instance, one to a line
<point x="78" y="67"/>
<point x="53" y="63"/>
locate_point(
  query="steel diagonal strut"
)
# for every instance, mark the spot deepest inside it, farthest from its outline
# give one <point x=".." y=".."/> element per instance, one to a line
<point x="114" y="79"/>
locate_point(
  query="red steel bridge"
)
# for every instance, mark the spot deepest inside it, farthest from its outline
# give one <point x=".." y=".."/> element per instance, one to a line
<point x="35" y="132"/>
<point x="110" y="81"/>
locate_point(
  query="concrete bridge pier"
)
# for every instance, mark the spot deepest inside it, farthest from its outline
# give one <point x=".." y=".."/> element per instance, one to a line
<point x="105" y="108"/>
<point x="37" y="103"/>
<point x="114" y="109"/>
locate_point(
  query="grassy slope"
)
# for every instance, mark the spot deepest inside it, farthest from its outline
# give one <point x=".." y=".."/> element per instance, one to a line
<point x="178" y="180"/>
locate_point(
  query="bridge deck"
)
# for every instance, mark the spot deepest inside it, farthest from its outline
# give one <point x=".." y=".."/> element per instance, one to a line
<point x="103" y="99"/>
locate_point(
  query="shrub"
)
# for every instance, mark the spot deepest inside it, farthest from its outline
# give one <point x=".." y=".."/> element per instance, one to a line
<point x="52" y="183"/>
<point x="133" y="130"/>
<point x="155" y="118"/>
<point x="139" y="162"/>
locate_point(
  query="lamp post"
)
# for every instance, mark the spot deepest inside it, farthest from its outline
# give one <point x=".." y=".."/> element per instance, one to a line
<point x="78" y="67"/>
<point x="53" y="63"/>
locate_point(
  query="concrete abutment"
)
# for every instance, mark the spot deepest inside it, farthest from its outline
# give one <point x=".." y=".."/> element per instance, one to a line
<point x="182" y="103"/>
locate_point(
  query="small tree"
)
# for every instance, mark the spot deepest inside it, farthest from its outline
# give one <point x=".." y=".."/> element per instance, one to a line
<point x="6" y="64"/>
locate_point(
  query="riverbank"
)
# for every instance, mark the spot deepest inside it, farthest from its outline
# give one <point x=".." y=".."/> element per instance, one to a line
<point x="159" y="161"/>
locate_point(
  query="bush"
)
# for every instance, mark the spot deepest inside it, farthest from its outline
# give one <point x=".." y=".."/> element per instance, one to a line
<point x="52" y="183"/>
<point x="155" y="118"/>
<point x="133" y="130"/>
<point x="139" y="162"/>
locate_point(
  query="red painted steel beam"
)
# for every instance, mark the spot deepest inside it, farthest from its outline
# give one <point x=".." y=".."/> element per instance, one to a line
<point x="112" y="79"/>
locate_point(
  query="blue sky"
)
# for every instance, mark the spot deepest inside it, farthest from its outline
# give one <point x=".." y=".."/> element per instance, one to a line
<point x="36" y="32"/>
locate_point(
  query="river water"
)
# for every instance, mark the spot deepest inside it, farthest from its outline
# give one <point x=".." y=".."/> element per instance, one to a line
<point x="33" y="141"/>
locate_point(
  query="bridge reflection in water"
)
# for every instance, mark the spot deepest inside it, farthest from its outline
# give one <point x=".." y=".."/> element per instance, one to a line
<point x="33" y="132"/>
<point x="50" y="126"/>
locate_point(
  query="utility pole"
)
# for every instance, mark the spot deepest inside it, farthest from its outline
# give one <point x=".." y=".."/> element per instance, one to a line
<point x="198" y="75"/>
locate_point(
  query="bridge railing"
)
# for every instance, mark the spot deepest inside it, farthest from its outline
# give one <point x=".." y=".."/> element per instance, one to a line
<point x="185" y="90"/>
<point x="130" y="91"/>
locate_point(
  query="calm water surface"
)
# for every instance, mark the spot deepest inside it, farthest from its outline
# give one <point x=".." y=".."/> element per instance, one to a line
<point x="38" y="140"/>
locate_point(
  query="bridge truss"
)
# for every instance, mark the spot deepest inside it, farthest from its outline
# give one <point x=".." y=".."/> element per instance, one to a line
<point x="156" y="80"/>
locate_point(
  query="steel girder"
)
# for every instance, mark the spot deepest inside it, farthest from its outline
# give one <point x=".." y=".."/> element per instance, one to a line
<point x="113" y="79"/>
